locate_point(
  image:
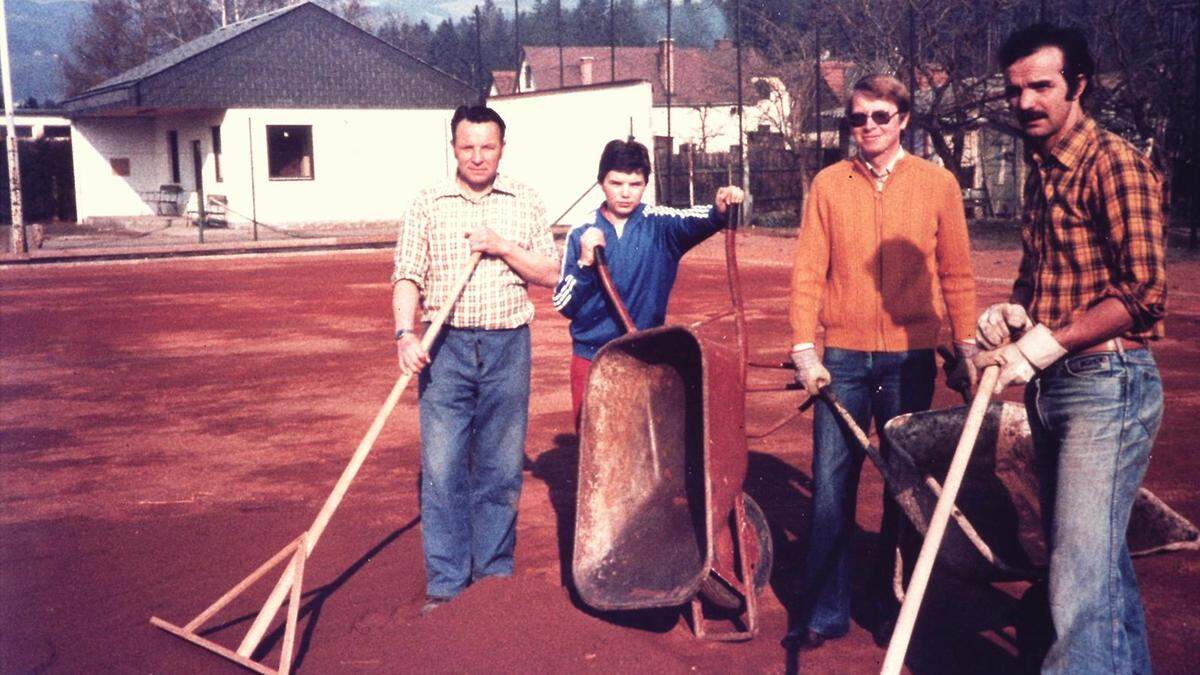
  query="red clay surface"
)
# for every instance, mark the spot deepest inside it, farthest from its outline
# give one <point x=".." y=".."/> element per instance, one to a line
<point x="167" y="426"/>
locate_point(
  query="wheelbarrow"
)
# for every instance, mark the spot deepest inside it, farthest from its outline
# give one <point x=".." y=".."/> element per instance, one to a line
<point x="661" y="519"/>
<point x="1000" y="494"/>
<point x="995" y="531"/>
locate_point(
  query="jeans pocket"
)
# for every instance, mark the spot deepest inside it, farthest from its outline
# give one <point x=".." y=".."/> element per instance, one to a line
<point x="1090" y="365"/>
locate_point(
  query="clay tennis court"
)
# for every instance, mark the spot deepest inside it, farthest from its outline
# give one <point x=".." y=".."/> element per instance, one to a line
<point x="169" y="425"/>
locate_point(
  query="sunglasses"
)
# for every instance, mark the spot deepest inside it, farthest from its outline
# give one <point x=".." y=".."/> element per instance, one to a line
<point x="878" y="117"/>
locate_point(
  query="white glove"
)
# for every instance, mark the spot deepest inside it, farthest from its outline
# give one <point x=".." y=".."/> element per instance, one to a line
<point x="592" y="237"/>
<point x="1020" y="361"/>
<point x="810" y="373"/>
<point x="999" y="322"/>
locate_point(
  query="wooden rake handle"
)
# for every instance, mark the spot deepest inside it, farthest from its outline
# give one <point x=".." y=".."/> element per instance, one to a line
<point x="898" y="646"/>
<point x="275" y="600"/>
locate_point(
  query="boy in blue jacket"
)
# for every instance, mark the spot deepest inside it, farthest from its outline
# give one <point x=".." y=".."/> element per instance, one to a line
<point x="642" y="245"/>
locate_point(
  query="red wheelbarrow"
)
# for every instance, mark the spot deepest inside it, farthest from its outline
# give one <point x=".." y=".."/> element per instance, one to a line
<point x="661" y="519"/>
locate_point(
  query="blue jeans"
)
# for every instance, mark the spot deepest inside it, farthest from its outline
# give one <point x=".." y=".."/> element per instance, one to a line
<point x="474" y="400"/>
<point x="871" y="385"/>
<point x="1094" y="418"/>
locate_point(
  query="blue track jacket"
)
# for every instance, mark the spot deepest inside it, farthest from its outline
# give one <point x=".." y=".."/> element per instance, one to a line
<point x="642" y="261"/>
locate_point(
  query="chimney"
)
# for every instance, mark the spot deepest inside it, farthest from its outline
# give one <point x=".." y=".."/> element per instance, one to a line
<point x="666" y="63"/>
<point x="585" y="69"/>
<point x="723" y="44"/>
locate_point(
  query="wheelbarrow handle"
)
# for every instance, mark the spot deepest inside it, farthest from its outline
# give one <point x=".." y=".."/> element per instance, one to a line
<point x="610" y="290"/>
<point x="894" y="658"/>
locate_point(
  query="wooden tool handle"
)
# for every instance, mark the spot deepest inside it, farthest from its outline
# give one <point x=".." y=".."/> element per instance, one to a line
<point x="898" y="646"/>
<point x="610" y="290"/>
<point x="271" y="606"/>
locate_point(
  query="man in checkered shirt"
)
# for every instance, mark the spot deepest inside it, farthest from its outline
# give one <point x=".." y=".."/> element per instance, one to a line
<point x="1089" y="296"/>
<point x="474" y="394"/>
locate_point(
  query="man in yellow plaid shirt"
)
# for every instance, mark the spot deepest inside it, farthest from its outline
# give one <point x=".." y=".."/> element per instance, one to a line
<point x="1089" y="297"/>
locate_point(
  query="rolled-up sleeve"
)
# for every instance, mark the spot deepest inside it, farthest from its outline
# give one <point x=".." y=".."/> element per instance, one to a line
<point x="1130" y="195"/>
<point x="411" y="258"/>
<point x="541" y="239"/>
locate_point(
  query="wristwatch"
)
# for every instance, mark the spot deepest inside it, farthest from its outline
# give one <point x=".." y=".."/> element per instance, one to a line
<point x="401" y="332"/>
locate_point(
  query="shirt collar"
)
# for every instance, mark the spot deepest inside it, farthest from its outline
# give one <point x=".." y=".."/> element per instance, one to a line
<point x="887" y="170"/>
<point x="598" y="214"/>
<point x="451" y="188"/>
<point x="1071" y="147"/>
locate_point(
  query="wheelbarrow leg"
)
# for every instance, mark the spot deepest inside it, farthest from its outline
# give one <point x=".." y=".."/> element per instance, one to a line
<point x="752" y="555"/>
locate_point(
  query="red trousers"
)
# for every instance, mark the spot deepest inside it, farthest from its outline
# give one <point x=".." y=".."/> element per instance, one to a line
<point x="579" y="372"/>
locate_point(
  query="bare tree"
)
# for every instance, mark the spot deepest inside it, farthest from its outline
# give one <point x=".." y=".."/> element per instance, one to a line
<point x="121" y="34"/>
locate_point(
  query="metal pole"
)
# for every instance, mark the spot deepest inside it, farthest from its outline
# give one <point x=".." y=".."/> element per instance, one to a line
<point x="479" y="78"/>
<point x="1195" y="214"/>
<point x="818" y="78"/>
<point x="17" y="237"/>
<point x="747" y="208"/>
<point x="667" y="84"/>
<point x="912" y="72"/>
<point x="558" y="31"/>
<point x="612" y="42"/>
<point x="253" y="196"/>
<point x="517" y="40"/>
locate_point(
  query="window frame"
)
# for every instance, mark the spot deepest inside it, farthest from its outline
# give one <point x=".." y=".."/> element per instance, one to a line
<point x="272" y="160"/>
<point x="216" y="151"/>
<point x="173" y="153"/>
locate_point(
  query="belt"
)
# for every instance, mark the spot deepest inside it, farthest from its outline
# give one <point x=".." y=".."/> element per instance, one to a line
<point x="1113" y="345"/>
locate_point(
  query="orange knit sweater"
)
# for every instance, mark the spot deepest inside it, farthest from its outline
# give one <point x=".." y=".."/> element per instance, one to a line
<point x="885" y="266"/>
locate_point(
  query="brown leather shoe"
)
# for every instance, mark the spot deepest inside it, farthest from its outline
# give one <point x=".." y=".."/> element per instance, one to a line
<point x="803" y="640"/>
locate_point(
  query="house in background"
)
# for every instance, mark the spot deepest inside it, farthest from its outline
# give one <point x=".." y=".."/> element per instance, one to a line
<point x="294" y="116"/>
<point x="40" y="123"/>
<point x="703" y="85"/>
<point x="555" y="138"/>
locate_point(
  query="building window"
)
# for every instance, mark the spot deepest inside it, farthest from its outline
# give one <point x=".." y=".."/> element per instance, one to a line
<point x="527" y="75"/>
<point x="289" y="152"/>
<point x="57" y="131"/>
<point x="173" y="153"/>
<point x="120" y="166"/>
<point x="216" y="147"/>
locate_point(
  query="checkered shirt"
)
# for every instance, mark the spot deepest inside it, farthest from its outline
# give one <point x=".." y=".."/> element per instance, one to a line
<point x="432" y="250"/>
<point x="1093" y="229"/>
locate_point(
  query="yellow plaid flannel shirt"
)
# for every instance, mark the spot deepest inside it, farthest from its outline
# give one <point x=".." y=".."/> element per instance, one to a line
<point x="1093" y="229"/>
<point x="432" y="250"/>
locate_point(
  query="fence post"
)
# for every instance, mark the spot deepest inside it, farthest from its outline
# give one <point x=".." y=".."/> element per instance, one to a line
<point x="691" y="176"/>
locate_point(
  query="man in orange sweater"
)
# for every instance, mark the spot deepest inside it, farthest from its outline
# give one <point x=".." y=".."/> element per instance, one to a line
<point x="883" y="252"/>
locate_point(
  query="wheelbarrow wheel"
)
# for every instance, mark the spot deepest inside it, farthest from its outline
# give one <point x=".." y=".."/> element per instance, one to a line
<point x="720" y="594"/>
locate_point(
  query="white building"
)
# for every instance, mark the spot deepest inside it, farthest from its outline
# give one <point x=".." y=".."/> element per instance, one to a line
<point x="36" y="124"/>
<point x="295" y="116"/>
<point x="555" y="139"/>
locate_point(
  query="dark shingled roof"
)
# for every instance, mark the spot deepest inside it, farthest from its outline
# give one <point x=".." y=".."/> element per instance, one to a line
<point x="301" y="56"/>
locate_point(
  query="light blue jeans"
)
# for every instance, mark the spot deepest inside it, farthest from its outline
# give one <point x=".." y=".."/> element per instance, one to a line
<point x="474" y="400"/>
<point x="871" y="385"/>
<point x="1094" y="418"/>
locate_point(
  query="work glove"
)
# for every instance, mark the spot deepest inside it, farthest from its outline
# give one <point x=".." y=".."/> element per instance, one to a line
<point x="999" y="323"/>
<point x="810" y="373"/>
<point x="1020" y="361"/>
<point x="961" y="373"/>
<point x="592" y="238"/>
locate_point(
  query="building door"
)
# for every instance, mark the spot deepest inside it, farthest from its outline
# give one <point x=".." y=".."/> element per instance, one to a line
<point x="197" y="171"/>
